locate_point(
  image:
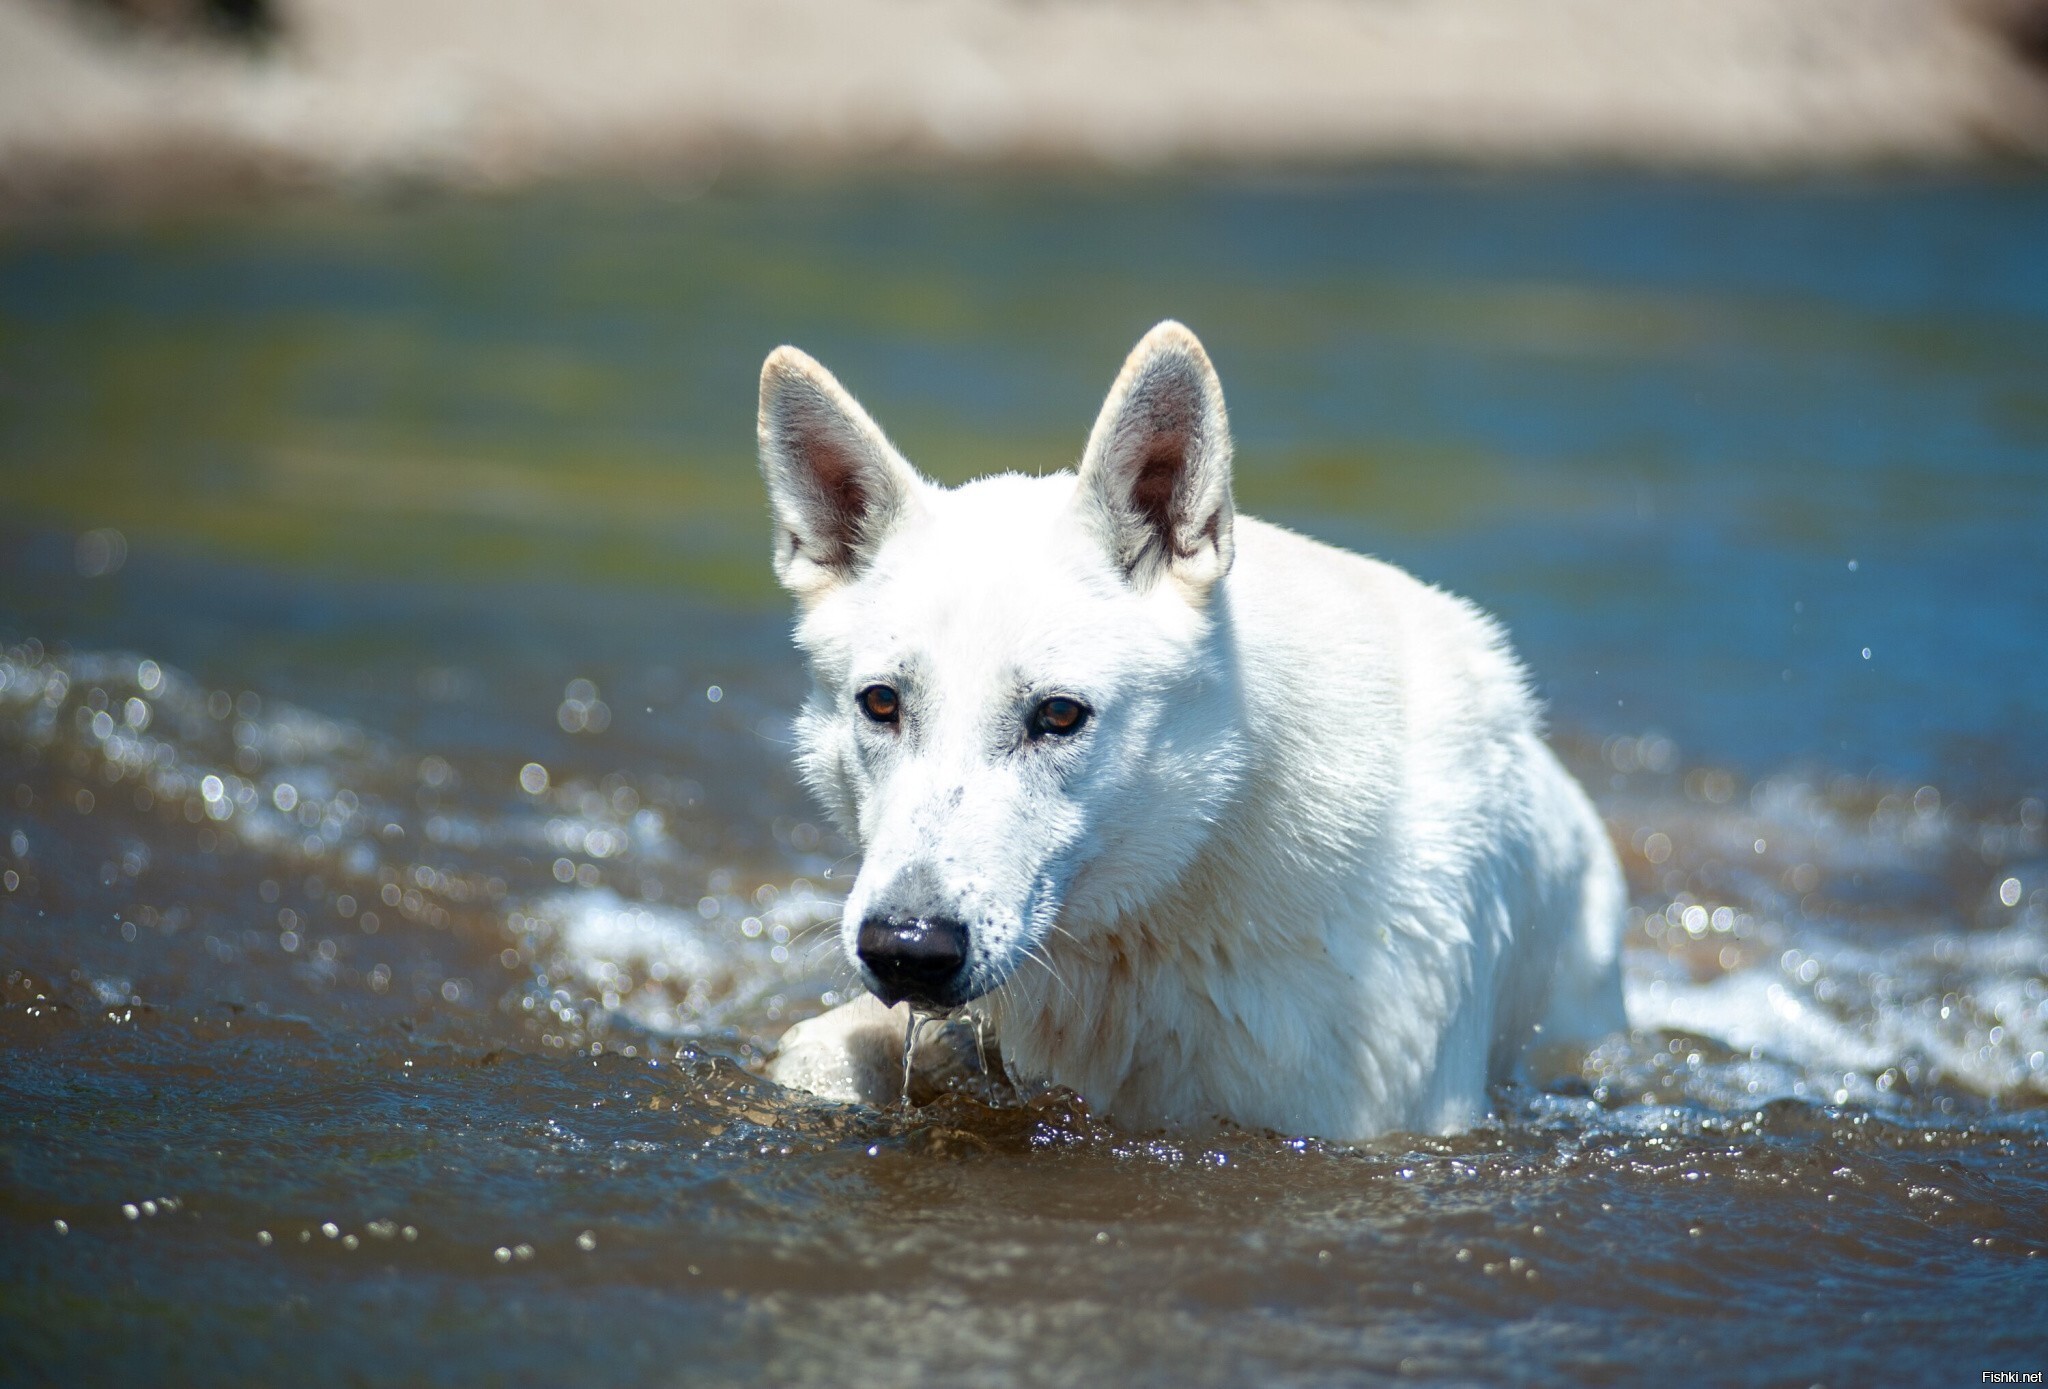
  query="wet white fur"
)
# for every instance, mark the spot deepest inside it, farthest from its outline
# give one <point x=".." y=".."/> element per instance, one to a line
<point x="1310" y="867"/>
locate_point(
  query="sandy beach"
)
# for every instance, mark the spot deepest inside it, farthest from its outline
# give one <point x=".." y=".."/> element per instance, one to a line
<point x="492" y="93"/>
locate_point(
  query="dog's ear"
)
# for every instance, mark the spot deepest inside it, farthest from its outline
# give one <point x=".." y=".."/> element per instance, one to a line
<point x="1155" y="481"/>
<point x="836" y="485"/>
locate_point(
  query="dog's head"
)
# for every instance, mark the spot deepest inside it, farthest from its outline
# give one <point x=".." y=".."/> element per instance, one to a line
<point x="1023" y="710"/>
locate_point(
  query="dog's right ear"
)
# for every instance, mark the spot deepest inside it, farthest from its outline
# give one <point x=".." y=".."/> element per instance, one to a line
<point x="836" y="485"/>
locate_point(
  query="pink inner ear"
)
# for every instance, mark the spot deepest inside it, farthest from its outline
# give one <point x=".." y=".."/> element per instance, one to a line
<point x="1152" y="488"/>
<point x="837" y="478"/>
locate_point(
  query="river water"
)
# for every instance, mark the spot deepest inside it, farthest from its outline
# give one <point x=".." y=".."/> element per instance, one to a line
<point x="401" y="876"/>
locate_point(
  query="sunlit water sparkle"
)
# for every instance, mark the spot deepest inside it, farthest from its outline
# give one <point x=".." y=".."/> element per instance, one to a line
<point x="389" y="954"/>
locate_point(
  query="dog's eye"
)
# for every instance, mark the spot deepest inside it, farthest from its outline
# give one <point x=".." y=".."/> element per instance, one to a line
<point x="880" y="703"/>
<point x="1059" y="716"/>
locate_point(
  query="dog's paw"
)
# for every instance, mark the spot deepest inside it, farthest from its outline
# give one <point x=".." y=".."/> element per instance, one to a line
<point x="851" y="1055"/>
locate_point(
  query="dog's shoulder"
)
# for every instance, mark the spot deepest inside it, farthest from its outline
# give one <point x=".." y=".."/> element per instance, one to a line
<point x="1339" y="622"/>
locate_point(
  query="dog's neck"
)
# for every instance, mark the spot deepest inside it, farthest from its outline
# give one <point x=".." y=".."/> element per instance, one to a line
<point x="1231" y="953"/>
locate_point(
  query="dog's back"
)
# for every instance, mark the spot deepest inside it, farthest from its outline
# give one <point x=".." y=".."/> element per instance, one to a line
<point x="1408" y="892"/>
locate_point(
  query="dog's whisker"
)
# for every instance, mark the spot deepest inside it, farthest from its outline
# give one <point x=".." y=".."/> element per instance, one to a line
<point x="805" y="933"/>
<point x="1038" y="956"/>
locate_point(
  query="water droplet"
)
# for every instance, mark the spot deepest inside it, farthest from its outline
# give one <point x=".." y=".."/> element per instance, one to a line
<point x="909" y="1050"/>
<point x="101" y="552"/>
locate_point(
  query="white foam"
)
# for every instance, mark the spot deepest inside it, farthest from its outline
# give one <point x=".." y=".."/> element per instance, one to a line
<point x="670" y="970"/>
<point x="1958" y="1008"/>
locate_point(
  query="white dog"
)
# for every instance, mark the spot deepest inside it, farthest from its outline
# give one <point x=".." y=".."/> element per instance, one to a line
<point x="1200" y="818"/>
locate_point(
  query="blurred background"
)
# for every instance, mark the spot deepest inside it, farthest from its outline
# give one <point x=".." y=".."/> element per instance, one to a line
<point x="400" y="869"/>
<point x="127" y="98"/>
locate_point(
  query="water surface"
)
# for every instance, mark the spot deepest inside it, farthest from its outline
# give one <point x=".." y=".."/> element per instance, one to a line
<point x="403" y="876"/>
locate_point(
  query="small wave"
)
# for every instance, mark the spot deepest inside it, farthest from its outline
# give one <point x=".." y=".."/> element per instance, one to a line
<point x="1870" y="1026"/>
<point x="674" y="972"/>
<point x="1845" y="940"/>
<point x="309" y="851"/>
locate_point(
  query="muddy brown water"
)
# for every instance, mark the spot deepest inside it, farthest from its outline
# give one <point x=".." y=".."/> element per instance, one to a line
<point x="401" y="877"/>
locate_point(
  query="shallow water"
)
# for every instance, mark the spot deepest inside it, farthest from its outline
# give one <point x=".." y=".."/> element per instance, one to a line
<point x="378" y="995"/>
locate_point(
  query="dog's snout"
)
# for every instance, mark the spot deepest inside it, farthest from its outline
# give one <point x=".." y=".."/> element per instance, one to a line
<point x="922" y="959"/>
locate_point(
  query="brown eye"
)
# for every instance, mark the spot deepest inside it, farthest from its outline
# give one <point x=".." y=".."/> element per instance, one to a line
<point x="1059" y="716"/>
<point x="880" y="703"/>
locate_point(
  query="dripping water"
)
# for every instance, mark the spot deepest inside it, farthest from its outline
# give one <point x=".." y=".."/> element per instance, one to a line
<point x="911" y="1027"/>
<point x="914" y="1028"/>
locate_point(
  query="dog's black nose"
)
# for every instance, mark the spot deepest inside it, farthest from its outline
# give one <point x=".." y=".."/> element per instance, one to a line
<point x="919" y="958"/>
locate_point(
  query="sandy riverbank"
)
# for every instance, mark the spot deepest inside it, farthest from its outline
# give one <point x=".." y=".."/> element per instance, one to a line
<point x="504" y="92"/>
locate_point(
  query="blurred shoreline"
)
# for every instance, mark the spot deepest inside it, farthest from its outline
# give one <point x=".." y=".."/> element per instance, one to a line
<point x="118" y="104"/>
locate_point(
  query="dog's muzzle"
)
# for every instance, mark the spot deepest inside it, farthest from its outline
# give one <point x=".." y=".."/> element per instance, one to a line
<point x="922" y="959"/>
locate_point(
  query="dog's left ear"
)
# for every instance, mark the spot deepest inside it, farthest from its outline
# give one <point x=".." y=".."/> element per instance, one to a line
<point x="1155" y="481"/>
